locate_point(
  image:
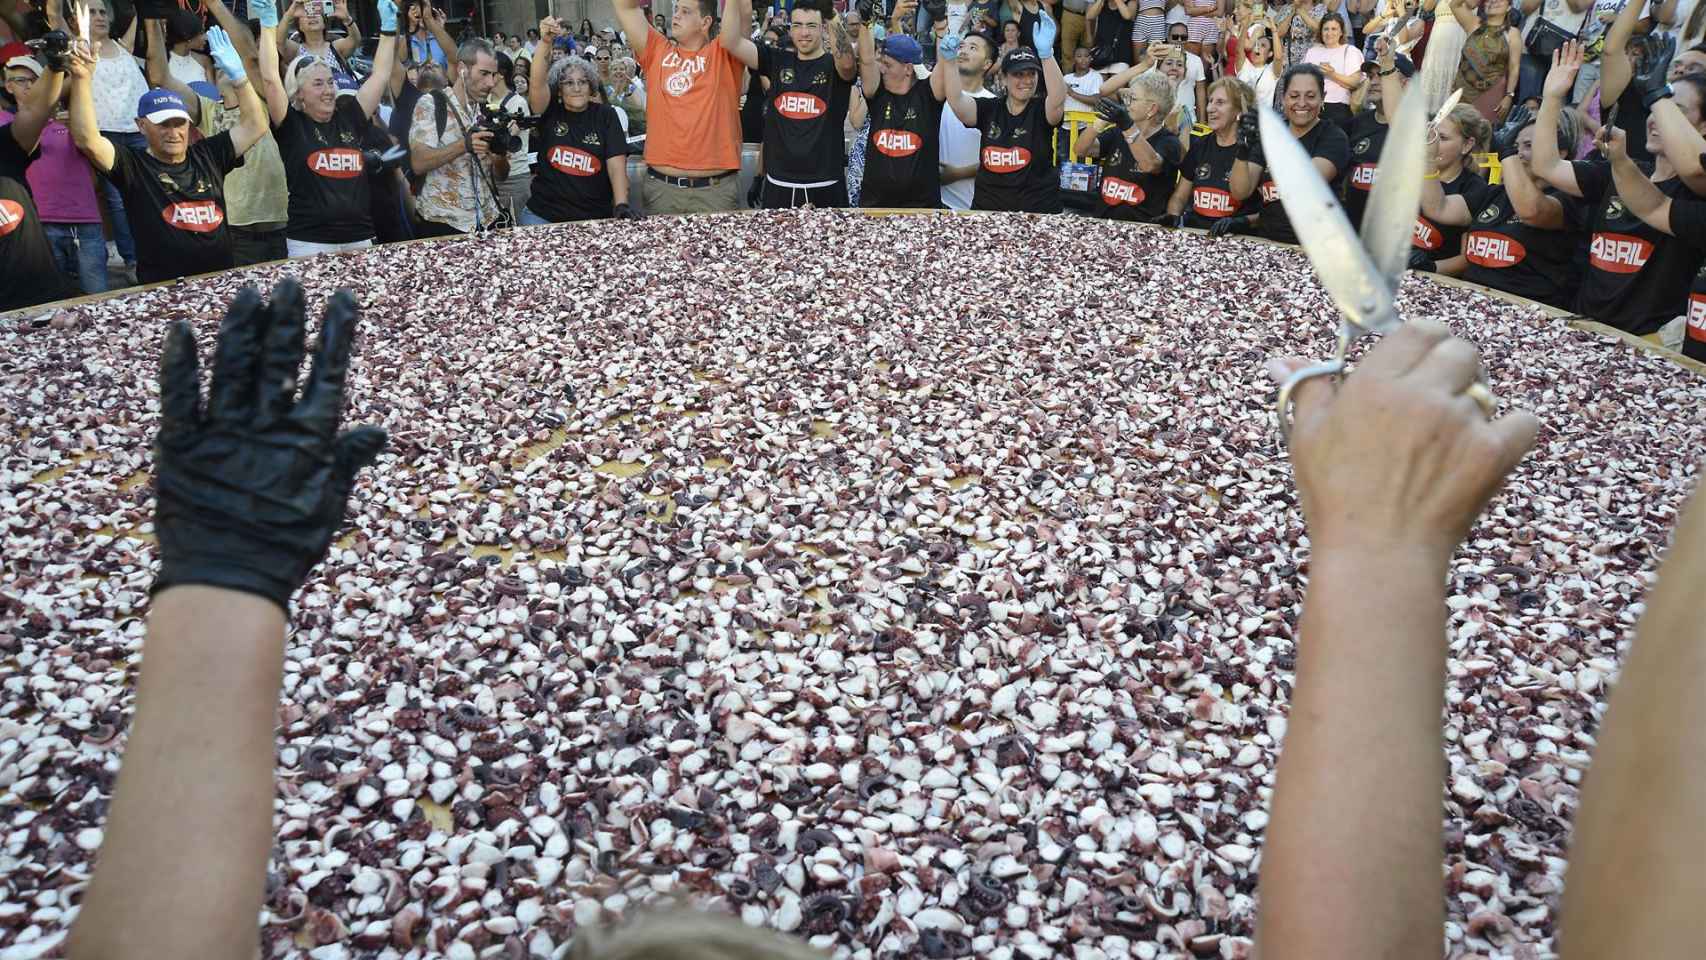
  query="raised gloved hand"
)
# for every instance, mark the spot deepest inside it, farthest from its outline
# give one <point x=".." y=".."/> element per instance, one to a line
<point x="251" y="489"/>
<point x="1653" y="83"/>
<point x="625" y="212"/>
<point x="53" y="49"/>
<point x="387" y="16"/>
<point x="1504" y="141"/>
<point x="1227" y="226"/>
<point x="1042" y="35"/>
<point x="266" y="11"/>
<point x="377" y="162"/>
<point x="948" y="48"/>
<point x="1113" y="111"/>
<point x="1421" y="261"/>
<point x="1249" y="135"/>
<point x="225" y="56"/>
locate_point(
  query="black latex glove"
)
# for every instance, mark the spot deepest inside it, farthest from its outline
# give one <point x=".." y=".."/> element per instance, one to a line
<point x="1652" y="83"/>
<point x="1226" y="226"/>
<point x="867" y="11"/>
<point x="1420" y="261"/>
<point x="625" y="212"/>
<point x="378" y="162"/>
<point x="251" y="489"/>
<point x="1249" y="135"/>
<point x="755" y="191"/>
<point x="1504" y="140"/>
<point x="1114" y="112"/>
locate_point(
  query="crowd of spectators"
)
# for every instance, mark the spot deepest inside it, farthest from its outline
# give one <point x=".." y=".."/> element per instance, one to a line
<point x="1569" y="166"/>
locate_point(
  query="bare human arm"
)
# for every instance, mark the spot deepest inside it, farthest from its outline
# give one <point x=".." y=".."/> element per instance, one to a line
<point x="1547" y="163"/>
<point x="160" y="75"/>
<point x="618" y="167"/>
<point x="841" y="49"/>
<point x="272" y="84"/>
<point x="1465" y="14"/>
<point x="1243" y="178"/>
<point x="182" y="871"/>
<point x="128" y="39"/>
<point x="959" y="101"/>
<point x="1528" y="200"/>
<point x="1181" y="196"/>
<point x="735" y="32"/>
<point x="1643" y="197"/>
<point x="539" y="69"/>
<point x="372" y="89"/>
<point x="1615" y="69"/>
<point x="348" y="45"/>
<point x="35" y="110"/>
<point x="637" y="28"/>
<point x="1054" y="107"/>
<point x="1351" y="865"/>
<point x="85" y="129"/>
<point x="1114" y="84"/>
<point x="1685" y="148"/>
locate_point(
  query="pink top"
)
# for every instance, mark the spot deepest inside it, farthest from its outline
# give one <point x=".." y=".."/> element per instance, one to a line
<point x="1344" y="59"/>
<point x="60" y="178"/>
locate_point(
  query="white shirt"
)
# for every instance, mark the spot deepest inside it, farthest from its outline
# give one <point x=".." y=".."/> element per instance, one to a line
<point x="959" y="147"/>
<point x="1089" y="85"/>
<point x="184" y="68"/>
<point x="117" y="86"/>
<point x="1262" y="78"/>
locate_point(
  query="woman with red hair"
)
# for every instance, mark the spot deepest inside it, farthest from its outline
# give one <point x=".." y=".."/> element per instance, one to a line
<point x="1492" y="56"/>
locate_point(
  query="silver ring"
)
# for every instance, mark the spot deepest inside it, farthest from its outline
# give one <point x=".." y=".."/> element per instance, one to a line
<point x="1483" y="398"/>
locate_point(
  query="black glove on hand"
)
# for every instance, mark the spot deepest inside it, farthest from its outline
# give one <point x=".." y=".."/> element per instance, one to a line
<point x="251" y="490"/>
<point x="1226" y="226"/>
<point x="1504" y="141"/>
<point x="867" y="11"/>
<point x="1420" y="261"/>
<point x="53" y="49"/>
<point x="1652" y="83"/>
<point x="625" y="212"/>
<point x="754" y="192"/>
<point x="1114" y="112"/>
<point x="1249" y="135"/>
<point x="377" y="162"/>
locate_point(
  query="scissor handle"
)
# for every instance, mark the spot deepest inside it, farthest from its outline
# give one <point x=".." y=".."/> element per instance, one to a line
<point x="1282" y="403"/>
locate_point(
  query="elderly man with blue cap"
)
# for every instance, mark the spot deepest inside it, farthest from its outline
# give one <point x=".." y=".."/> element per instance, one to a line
<point x="174" y="190"/>
<point x="902" y="160"/>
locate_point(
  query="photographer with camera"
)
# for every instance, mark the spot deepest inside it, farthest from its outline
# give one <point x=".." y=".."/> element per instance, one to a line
<point x="461" y="147"/>
<point x="321" y="139"/>
<point x="29" y="276"/>
<point x="582" y="173"/>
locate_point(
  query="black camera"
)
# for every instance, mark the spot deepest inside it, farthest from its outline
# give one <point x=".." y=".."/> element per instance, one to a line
<point x="53" y="49"/>
<point x="498" y="123"/>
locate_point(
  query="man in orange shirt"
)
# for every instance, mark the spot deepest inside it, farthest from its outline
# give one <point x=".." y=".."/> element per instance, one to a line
<point x="692" y="107"/>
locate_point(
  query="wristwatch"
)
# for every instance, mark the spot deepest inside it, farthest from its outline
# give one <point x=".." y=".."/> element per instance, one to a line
<point x="1389" y="71"/>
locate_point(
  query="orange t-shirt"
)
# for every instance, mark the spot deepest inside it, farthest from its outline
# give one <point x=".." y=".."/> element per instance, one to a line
<point x="692" y="105"/>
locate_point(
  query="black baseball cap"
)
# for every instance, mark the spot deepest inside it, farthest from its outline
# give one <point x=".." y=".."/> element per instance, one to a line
<point x="1021" y="60"/>
<point x="1405" y="67"/>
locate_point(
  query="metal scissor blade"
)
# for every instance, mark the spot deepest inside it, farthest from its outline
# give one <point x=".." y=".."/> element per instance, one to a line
<point x="1389" y="220"/>
<point x="1359" y="290"/>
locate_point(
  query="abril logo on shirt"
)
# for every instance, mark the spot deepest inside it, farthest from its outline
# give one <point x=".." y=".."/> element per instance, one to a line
<point x="898" y="143"/>
<point x="1696" y="314"/>
<point x="11" y="214"/>
<point x="1493" y="250"/>
<point x="196" y="216"/>
<point x="800" y="106"/>
<point x="1362" y="176"/>
<point x="1006" y="159"/>
<point x="1116" y="191"/>
<point x="1619" y="252"/>
<point x="339" y="163"/>
<point x="1270" y="192"/>
<point x="1426" y="235"/>
<point x="574" y="162"/>
<point x="1211" y="202"/>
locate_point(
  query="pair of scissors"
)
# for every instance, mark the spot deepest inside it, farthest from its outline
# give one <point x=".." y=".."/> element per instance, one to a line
<point x="1360" y="273"/>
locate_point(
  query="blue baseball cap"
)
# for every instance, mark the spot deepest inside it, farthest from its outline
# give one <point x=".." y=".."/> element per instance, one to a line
<point x="159" y="105"/>
<point x="903" y="48"/>
<point x="347" y="85"/>
<point x="204" y="89"/>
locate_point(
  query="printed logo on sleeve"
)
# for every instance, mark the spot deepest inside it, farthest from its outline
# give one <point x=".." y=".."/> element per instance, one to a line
<point x="1270" y="192"/>
<point x="575" y="163"/>
<point x="1211" y="202"/>
<point x="11" y="214"/>
<point x="800" y="106"/>
<point x="1116" y="191"/>
<point x="1363" y="175"/>
<point x="1696" y="315"/>
<point x="338" y="163"/>
<point x="1426" y="235"/>
<point x="1493" y="250"/>
<point x="1619" y="252"/>
<point x="897" y="143"/>
<point x="196" y="216"/>
<point x="1006" y="159"/>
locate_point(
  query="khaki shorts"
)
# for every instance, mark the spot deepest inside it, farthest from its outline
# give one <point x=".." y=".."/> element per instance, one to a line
<point x="661" y="198"/>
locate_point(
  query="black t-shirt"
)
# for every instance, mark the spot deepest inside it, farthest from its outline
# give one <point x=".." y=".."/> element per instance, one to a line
<point x="1506" y="254"/>
<point x="1325" y="140"/>
<point x="1637" y="277"/>
<point x="28" y="275"/>
<point x="1443" y="241"/>
<point x="752" y="111"/>
<point x="330" y="199"/>
<point x="1016" y="168"/>
<point x="177" y="210"/>
<point x="1367" y="139"/>
<point x="806" y="113"/>
<point x="1127" y="192"/>
<point x="403" y="112"/>
<point x="571" y="179"/>
<point x="903" y="149"/>
<point x="1688" y="222"/>
<point x="1208" y="166"/>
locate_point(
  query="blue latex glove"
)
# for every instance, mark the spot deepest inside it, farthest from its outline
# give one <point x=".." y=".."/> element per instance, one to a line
<point x="387" y="16"/>
<point x="266" y="11"/>
<point x="948" y="48"/>
<point x="1043" y="34"/>
<point x="224" y="54"/>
